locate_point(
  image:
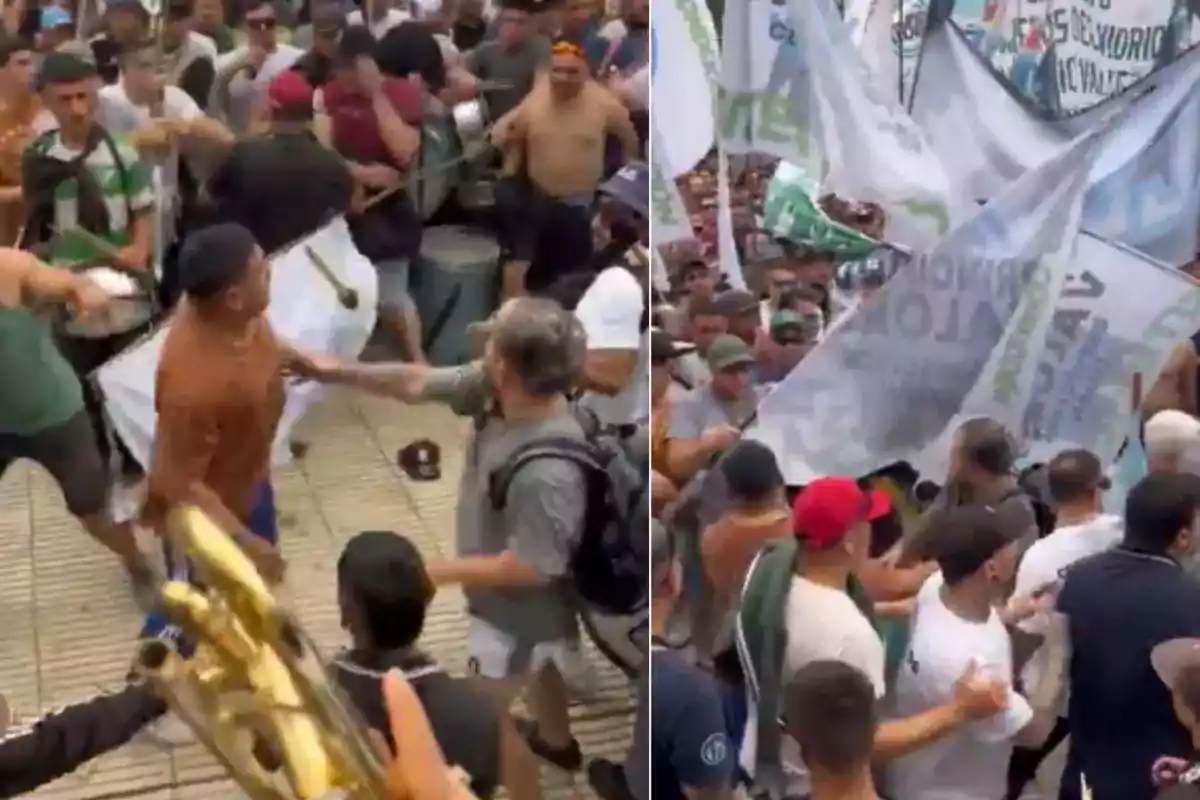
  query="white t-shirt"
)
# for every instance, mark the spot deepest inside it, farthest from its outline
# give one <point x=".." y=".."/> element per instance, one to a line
<point x="823" y="623"/>
<point x="972" y="762"/>
<point x="610" y="312"/>
<point x="177" y="104"/>
<point x="379" y="27"/>
<point x="1043" y="564"/>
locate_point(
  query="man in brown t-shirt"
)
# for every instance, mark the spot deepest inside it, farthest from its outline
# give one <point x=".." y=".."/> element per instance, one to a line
<point x="219" y="394"/>
<point x="758" y="515"/>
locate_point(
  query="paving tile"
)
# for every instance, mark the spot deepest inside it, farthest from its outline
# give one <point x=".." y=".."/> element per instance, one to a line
<point x="69" y="624"/>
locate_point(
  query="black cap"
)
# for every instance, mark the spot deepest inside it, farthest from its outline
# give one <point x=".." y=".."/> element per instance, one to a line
<point x="421" y="460"/>
<point x="966" y="537"/>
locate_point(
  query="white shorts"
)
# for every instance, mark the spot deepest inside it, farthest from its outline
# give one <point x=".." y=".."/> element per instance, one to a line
<point x="494" y="654"/>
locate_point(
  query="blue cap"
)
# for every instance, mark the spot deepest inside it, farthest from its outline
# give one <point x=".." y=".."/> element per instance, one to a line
<point x="54" y="17"/>
<point x="630" y="186"/>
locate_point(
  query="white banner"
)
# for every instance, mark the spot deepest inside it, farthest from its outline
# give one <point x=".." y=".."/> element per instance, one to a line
<point x="885" y="384"/>
<point x="1104" y="46"/>
<point x="1101" y="46"/>
<point x="1144" y="188"/>
<point x="684" y="64"/>
<point x="1118" y="314"/>
<point x="304" y="311"/>
<point x="793" y="86"/>
<point x="669" y="221"/>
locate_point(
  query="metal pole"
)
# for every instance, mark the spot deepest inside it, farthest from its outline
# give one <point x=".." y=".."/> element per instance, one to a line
<point x="900" y="52"/>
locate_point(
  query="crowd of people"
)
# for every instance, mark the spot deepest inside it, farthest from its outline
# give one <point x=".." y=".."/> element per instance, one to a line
<point x="179" y="149"/>
<point x="896" y="635"/>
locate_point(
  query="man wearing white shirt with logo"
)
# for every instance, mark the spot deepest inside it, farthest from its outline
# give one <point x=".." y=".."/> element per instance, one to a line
<point x="956" y="626"/>
<point x="613" y="313"/>
<point x="1077" y="483"/>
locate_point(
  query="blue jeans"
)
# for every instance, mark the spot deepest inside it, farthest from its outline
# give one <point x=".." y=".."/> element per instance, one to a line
<point x="262" y="523"/>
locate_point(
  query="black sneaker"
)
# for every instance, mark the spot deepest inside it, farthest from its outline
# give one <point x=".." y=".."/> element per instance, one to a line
<point x="607" y="780"/>
<point x="568" y="759"/>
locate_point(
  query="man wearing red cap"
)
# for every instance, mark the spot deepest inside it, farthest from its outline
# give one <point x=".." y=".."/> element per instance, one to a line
<point x="806" y="588"/>
<point x="301" y="184"/>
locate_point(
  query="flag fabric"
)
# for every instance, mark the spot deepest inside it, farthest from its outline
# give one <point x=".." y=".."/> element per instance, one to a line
<point x="794" y="86"/>
<point x="1144" y="189"/>
<point x="887" y="382"/>
<point x="684" y="67"/>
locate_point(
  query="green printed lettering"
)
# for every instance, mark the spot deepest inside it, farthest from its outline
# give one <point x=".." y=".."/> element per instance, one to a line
<point x="755" y="117"/>
<point x="660" y="199"/>
<point x="1007" y="381"/>
<point x="702" y="36"/>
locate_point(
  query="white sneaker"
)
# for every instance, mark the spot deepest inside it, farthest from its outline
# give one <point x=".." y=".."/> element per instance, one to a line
<point x="170" y="731"/>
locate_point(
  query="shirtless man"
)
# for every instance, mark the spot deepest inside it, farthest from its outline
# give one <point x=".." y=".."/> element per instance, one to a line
<point x="219" y="395"/>
<point x="1177" y="386"/>
<point x="19" y="106"/>
<point x="554" y="140"/>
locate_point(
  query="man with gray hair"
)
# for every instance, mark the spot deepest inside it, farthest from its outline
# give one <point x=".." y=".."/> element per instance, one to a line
<point x="1172" y="442"/>
<point x="513" y="560"/>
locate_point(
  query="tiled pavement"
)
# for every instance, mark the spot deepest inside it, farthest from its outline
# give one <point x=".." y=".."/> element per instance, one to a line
<point x="67" y="625"/>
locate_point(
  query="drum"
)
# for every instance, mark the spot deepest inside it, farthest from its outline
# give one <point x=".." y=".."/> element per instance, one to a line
<point x="455" y="286"/>
<point x="439" y="169"/>
<point x="132" y="306"/>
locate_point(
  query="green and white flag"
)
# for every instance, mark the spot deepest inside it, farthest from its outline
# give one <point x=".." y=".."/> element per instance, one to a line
<point x="790" y="212"/>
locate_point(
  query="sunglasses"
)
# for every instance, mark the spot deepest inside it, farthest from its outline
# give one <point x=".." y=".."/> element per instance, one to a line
<point x="261" y="24"/>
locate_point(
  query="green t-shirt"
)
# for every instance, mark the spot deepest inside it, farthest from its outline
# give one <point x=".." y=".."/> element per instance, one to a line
<point x="124" y="190"/>
<point x="39" y="389"/>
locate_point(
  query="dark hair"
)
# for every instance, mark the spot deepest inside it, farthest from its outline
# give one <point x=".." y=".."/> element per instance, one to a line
<point x="751" y="472"/>
<point x="1158" y="507"/>
<point x="137" y="46"/>
<point x="829" y="709"/>
<point x="965" y="538"/>
<point x="410" y="47"/>
<point x="1074" y="475"/>
<point x="702" y="307"/>
<point x="255" y="5"/>
<point x="988" y="445"/>
<point x="356" y="42"/>
<point x="11" y="45"/>
<point x="382" y="575"/>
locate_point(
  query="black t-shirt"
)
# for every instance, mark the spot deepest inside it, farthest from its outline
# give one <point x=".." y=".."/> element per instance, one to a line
<point x="281" y="186"/>
<point x="463" y="717"/>
<point x="1119" y="605"/>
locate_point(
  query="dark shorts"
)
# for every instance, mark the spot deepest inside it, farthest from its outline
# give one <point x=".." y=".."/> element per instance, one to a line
<point x="69" y="453"/>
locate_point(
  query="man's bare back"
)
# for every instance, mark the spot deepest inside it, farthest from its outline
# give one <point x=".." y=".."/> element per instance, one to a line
<point x="1175" y="387"/>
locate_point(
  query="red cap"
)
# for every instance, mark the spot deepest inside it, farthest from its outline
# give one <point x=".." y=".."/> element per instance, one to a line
<point x="827" y="508"/>
<point x="290" y="91"/>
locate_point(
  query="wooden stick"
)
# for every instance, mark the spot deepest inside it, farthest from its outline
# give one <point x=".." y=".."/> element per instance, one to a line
<point x="347" y="297"/>
<point x="425" y="173"/>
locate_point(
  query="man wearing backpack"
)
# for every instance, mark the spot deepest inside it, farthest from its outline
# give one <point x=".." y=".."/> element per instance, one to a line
<point x="521" y="515"/>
